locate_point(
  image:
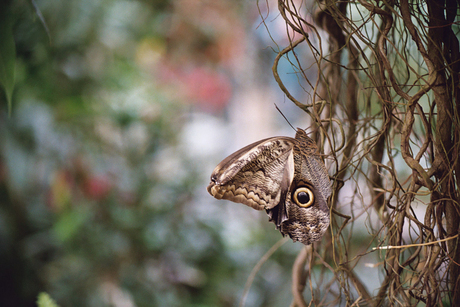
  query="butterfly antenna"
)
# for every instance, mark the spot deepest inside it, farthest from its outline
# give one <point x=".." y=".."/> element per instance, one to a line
<point x="284" y="117"/>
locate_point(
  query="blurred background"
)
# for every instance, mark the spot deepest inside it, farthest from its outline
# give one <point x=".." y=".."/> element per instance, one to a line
<point x="120" y="111"/>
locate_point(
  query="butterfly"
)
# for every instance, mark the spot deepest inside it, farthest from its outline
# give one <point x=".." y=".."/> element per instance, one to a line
<point x="283" y="175"/>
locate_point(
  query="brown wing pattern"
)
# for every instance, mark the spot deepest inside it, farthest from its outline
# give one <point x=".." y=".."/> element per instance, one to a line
<point x="312" y="167"/>
<point x="268" y="175"/>
<point x="256" y="175"/>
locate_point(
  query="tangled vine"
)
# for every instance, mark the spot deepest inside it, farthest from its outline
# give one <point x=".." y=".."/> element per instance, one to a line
<point x="386" y="102"/>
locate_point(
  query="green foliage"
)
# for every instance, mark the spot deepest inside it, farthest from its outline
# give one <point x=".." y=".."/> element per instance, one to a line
<point x="44" y="300"/>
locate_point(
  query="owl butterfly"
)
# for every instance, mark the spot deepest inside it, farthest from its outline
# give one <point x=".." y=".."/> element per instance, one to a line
<point x="284" y="176"/>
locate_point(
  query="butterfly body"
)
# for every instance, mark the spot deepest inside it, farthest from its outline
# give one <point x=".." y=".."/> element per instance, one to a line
<point x="283" y="175"/>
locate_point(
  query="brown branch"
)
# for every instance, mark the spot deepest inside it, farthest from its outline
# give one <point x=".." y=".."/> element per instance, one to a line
<point x="299" y="272"/>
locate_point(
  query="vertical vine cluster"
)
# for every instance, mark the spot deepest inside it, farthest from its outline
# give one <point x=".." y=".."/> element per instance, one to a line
<point x="386" y="98"/>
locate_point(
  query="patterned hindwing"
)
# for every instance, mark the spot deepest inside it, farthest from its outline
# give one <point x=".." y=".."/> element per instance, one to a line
<point x="312" y="167"/>
<point x="258" y="175"/>
<point x="307" y="224"/>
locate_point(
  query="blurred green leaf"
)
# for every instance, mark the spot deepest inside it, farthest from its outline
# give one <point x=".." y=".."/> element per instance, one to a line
<point x="7" y="53"/>
<point x="44" y="300"/>
<point x="68" y="223"/>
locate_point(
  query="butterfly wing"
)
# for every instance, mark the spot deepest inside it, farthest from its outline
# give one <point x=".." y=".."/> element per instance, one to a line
<point x="312" y="167"/>
<point x="306" y="224"/>
<point x="284" y="176"/>
<point x="258" y="175"/>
